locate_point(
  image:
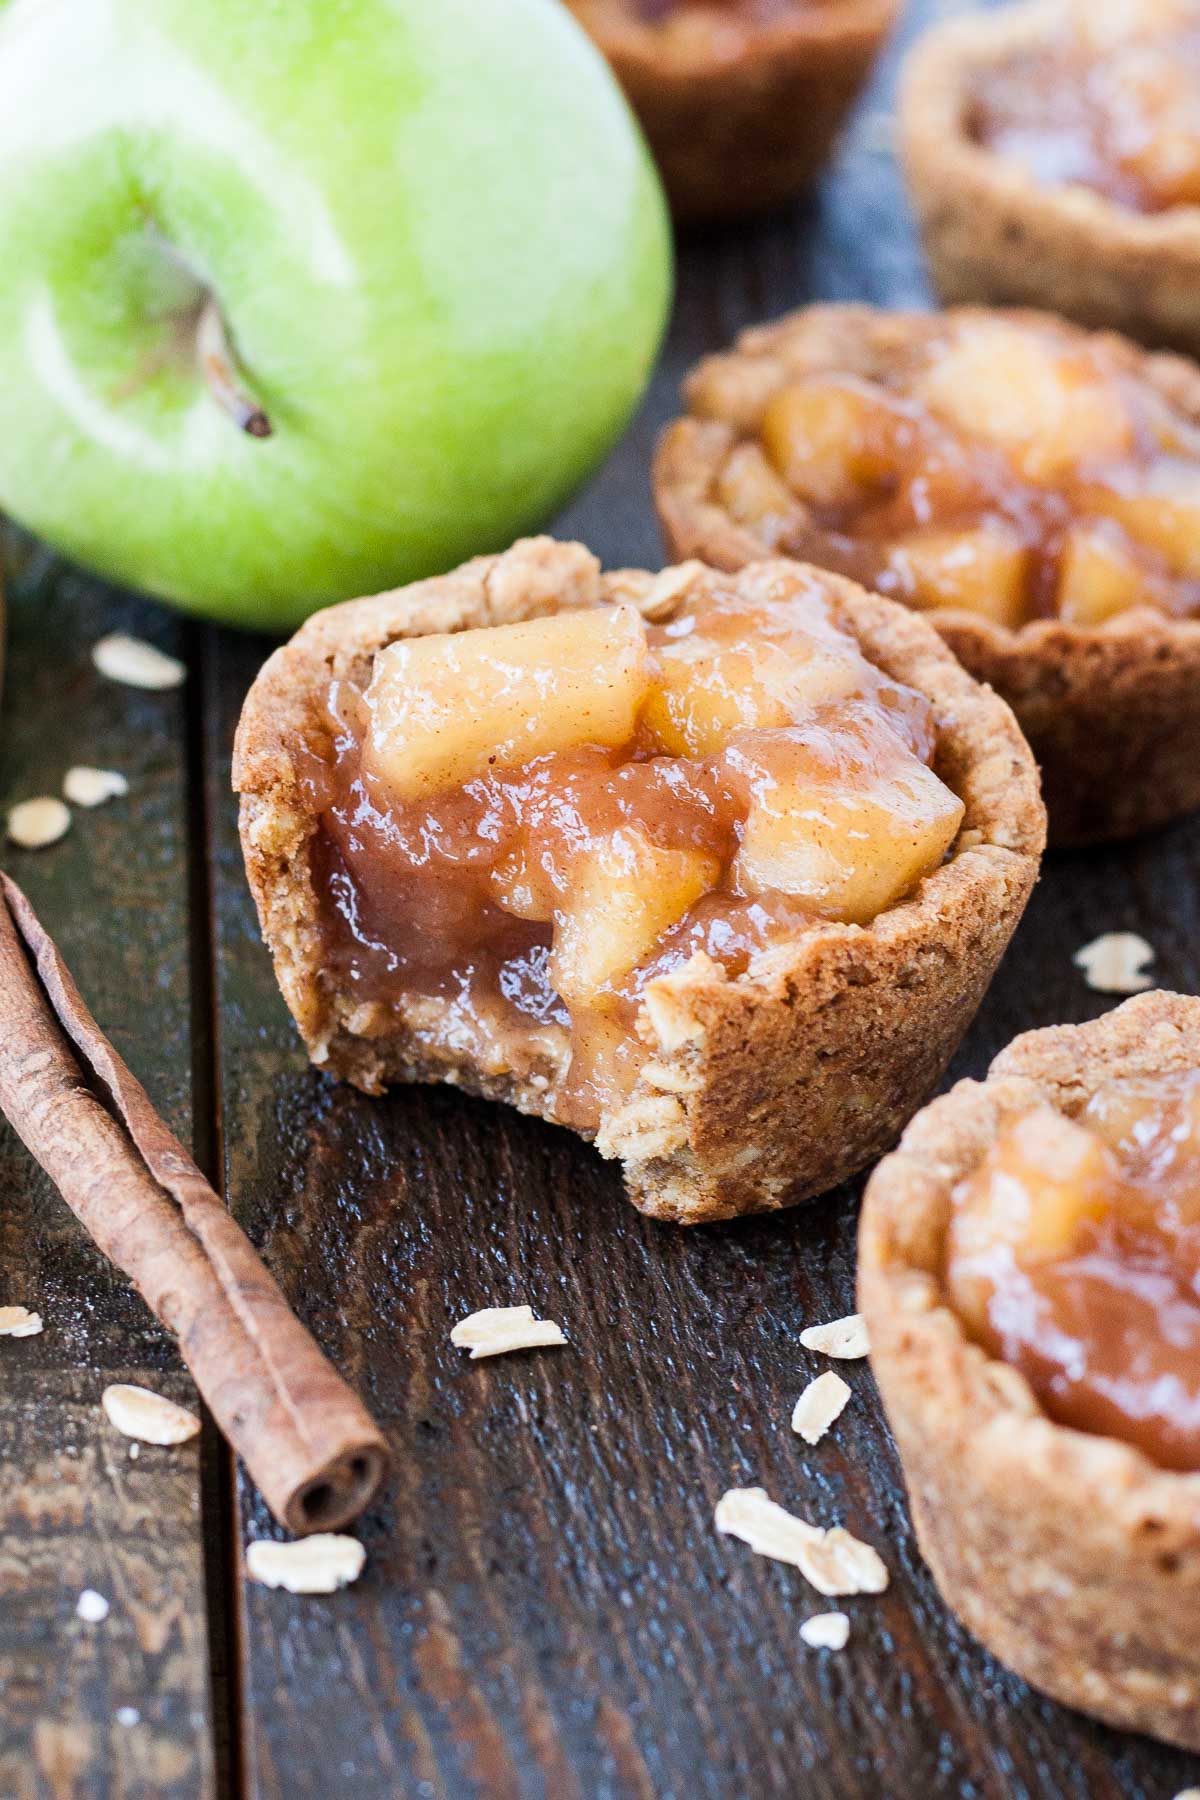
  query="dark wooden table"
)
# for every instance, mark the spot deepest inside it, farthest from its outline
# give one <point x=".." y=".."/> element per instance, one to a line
<point x="547" y="1610"/>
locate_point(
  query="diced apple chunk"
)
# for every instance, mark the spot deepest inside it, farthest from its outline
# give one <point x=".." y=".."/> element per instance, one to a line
<point x="753" y="495"/>
<point x="847" y="838"/>
<point x="984" y="569"/>
<point x="834" y="442"/>
<point x="1128" y="1112"/>
<point x="1065" y="1175"/>
<point x="1039" y="401"/>
<point x="1098" y="577"/>
<point x="623" y="894"/>
<point x="1041" y="1181"/>
<point x="1165" y="517"/>
<point x="707" y="690"/>
<point x="442" y="709"/>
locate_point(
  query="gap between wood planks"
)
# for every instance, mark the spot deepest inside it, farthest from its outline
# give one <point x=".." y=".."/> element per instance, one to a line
<point x="221" y="1537"/>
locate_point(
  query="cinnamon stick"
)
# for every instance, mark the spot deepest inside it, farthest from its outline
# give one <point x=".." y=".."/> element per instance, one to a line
<point x="302" y="1433"/>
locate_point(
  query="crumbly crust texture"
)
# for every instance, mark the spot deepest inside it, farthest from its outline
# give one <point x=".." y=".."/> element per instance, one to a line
<point x="1072" y="1557"/>
<point x="741" y="116"/>
<point x="758" y="1091"/>
<point x="991" y="232"/>
<point x="1111" y="711"/>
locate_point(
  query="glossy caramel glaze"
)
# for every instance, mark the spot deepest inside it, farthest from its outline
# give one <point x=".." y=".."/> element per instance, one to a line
<point x="1005" y="464"/>
<point x="772" y="776"/>
<point x="1074" y="1255"/>
<point x="1112" y="104"/>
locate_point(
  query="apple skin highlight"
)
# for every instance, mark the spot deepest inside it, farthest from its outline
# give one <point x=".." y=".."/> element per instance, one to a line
<point x="440" y="257"/>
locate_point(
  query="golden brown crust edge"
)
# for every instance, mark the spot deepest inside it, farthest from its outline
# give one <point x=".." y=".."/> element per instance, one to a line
<point x="1112" y="712"/>
<point x="757" y="1093"/>
<point x="744" y="130"/>
<point x="1072" y="1557"/>
<point x="993" y="233"/>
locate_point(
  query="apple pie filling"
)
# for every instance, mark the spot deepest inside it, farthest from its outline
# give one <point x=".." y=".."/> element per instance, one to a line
<point x="1074" y="1254"/>
<point x="1011" y="465"/>
<point x="521" y="827"/>
<point x="1111" y="103"/>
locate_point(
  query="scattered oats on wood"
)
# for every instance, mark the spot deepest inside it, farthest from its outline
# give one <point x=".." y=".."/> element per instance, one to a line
<point x="844" y="1338"/>
<point x="136" y="663"/>
<point x="1188" y="1794"/>
<point x="314" y="1565"/>
<point x="91" y="1607"/>
<point x="843" y="1564"/>
<point x="1113" y="963"/>
<point x="819" y="1405"/>
<point x="33" y="824"/>
<point x="834" y="1561"/>
<point x="135" y="1450"/>
<point x="498" y="1329"/>
<point x="128" y="1715"/>
<point x="139" y="1413"/>
<point x="826" y="1631"/>
<point x="92" y="787"/>
<point x="18" y="1321"/>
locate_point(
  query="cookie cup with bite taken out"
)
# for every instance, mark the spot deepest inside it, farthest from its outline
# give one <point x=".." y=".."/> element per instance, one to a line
<point x="1011" y="1262"/>
<point x="1032" y="488"/>
<point x="713" y="869"/>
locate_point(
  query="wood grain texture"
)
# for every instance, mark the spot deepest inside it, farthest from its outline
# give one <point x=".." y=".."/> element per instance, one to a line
<point x="75" y="1510"/>
<point x="547" y="1610"/>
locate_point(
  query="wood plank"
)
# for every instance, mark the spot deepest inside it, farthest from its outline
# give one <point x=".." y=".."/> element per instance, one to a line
<point x="547" y="1610"/>
<point x="76" y="1510"/>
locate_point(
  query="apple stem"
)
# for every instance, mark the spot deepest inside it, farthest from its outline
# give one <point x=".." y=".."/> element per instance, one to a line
<point x="221" y="374"/>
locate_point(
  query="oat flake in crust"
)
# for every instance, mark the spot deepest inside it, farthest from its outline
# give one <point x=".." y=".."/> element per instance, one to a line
<point x="992" y="232"/>
<point x="1112" y="711"/>
<point x="758" y="1091"/>
<point x="1071" y="1556"/>
<point x="740" y="112"/>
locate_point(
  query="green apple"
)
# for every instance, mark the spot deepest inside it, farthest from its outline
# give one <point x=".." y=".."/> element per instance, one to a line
<point x="304" y="298"/>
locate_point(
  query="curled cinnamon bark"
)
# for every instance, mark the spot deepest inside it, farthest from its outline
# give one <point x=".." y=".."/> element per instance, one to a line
<point x="304" y="1436"/>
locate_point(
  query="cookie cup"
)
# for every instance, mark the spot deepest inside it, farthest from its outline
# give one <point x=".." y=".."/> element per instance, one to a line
<point x="991" y="232"/>
<point x="1112" y="711"/>
<point x="757" y="1091"/>
<point x="1072" y="1557"/>
<point x="741" y="114"/>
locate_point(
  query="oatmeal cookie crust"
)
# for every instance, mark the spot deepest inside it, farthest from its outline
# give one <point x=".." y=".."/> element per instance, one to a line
<point x="1072" y="1557"/>
<point x="991" y="232"/>
<point x="758" y="1091"/>
<point x="743" y="119"/>
<point x="1111" y="711"/>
